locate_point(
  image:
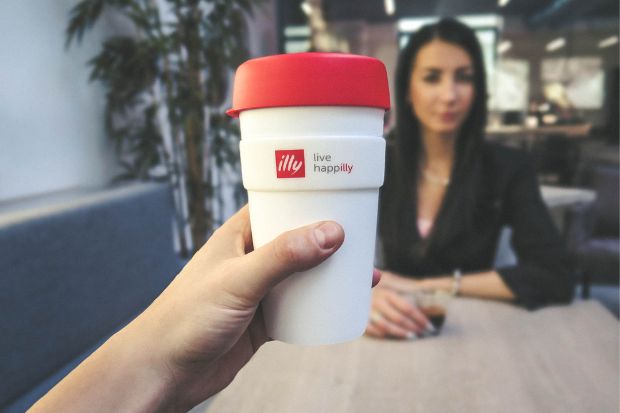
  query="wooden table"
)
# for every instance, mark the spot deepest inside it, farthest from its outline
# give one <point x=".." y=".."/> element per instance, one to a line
<point x="491" y="357"/>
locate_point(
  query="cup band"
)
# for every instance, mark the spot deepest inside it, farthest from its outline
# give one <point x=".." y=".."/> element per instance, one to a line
<point x="312" y="163"/>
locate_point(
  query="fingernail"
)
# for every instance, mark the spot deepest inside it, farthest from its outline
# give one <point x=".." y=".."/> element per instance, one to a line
<point x="327" y="235"/>
<point x="412" y="336"/>
<point x="430" y="328"/>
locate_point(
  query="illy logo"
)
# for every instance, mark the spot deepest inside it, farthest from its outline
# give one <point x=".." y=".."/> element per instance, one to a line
<point x="290" y="163"/>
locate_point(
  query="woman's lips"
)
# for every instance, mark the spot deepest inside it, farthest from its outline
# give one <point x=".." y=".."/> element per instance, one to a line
<point x="448" y="116"/>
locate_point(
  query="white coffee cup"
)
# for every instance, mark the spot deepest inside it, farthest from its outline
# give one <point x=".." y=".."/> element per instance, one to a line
<point x="307" y="163"/>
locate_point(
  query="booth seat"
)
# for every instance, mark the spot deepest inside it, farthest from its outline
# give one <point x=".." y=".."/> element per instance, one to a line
<point x="74" y="268"/>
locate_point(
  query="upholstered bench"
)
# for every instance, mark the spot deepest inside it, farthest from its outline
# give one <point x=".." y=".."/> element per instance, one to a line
<point x="74" y="268"/>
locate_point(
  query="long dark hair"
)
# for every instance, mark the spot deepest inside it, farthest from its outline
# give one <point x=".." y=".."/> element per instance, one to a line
<point x="397" y="223"/>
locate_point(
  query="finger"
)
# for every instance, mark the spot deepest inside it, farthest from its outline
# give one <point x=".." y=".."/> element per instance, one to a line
<point x="395" y="316"/>
<point x="232" y="239"/>
<point x="373" y="331"/>
<point x="387" y="328"/>
<point x="293" y="251"/>
<point x="376" y="276"/>
<point x="410" y="310"/>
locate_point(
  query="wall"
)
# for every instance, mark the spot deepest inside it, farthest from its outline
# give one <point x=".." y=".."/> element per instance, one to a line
<point x="378" y="40"/>
<point x="262" y="32"/>
<point x="382" y="44"/>
<point x="582" y="39"/>
<point x="51" y="117"/>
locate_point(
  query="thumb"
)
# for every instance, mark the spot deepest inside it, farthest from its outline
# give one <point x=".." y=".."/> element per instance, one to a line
<point x="293" y="251"/>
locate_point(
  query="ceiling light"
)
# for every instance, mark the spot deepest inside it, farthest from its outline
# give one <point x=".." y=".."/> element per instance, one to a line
<point x="390" y="7"/>
<point x="610" y="41"/>
<point x="502" y="3"/>
<point x="556" y="44"/>
<point x="504" y="46"/>
<point x="307" y="8"/>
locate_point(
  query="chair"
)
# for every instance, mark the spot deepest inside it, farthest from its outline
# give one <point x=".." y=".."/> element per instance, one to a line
<point x="593" y="236"/>
<point x="556" y="158"/>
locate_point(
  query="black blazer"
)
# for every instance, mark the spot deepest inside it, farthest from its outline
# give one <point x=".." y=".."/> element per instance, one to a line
<point x="512" y="197"/>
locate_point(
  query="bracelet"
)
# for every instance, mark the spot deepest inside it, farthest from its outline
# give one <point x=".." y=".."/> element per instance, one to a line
<point x="456" y="281"/>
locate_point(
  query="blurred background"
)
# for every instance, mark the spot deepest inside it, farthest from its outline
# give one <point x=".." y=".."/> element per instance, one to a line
<point x="552" y="68"/>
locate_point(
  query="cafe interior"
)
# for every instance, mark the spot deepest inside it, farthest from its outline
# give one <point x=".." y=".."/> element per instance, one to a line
<point x="106" y="193"/>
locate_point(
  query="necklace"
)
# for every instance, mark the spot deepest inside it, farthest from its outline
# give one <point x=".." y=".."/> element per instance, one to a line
<point x="435" y="179"/>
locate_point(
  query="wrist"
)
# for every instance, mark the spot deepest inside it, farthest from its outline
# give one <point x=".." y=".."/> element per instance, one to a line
<point x="439" y="283"/>
<point x="456" y="281"/>
<point x="153" y="385"/>
<point x="391" y="281"/>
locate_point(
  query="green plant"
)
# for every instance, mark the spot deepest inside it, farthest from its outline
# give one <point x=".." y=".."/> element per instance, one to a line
<point x="166" y="82"/>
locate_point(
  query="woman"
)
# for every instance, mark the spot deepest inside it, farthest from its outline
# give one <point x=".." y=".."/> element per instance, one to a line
<point x="448" y="193"/>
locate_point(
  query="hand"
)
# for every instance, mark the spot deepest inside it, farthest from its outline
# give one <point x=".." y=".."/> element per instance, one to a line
<point x="208" y="321"/>
<point x="193" y="339"/>
<point x="392" y="315"/>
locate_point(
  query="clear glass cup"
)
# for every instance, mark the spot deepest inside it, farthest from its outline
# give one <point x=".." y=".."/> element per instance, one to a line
<point x="433" y="303"/>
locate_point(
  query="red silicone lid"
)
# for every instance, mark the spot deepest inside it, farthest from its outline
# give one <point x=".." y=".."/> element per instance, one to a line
<point x="310" y="79"/>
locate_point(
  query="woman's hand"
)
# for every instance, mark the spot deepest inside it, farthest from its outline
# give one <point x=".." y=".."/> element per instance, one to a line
<point x="392" y="315"/>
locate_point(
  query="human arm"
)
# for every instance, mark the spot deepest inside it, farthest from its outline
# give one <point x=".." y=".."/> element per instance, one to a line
<point x="486" y="284"/>
<point x="394" y="316"/>
<point x="191" y="341"/>
<point x="543" y="273"/>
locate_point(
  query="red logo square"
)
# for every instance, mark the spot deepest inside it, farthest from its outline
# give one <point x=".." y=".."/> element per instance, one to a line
<point x="290" y="163"/>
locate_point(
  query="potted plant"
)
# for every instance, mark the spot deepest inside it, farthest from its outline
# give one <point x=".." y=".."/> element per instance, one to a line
<point x="166" y="84"/>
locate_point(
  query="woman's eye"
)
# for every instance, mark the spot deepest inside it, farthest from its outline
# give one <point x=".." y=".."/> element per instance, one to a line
<point x="465" y="77"/>
<point x="431" y="78"/>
